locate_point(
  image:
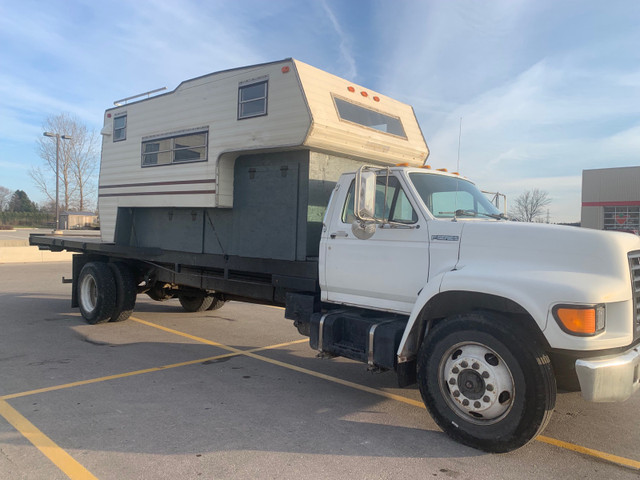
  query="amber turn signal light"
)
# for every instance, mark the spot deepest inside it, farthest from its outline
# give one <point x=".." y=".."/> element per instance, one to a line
<point x="580" y="320"/>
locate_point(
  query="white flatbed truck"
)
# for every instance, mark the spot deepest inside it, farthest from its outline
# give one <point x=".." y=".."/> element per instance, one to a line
<point x="294" y="198"/>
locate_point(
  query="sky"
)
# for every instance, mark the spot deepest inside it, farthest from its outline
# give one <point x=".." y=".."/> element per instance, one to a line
<point x="514" y="94"/>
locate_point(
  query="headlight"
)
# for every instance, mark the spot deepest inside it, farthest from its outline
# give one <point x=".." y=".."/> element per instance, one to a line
<point x="581" y="320"/>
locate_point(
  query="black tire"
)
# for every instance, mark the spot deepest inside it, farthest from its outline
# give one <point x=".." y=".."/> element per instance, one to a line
<point x="126" y="292"/>
<point x="486" y="382"/>
<point x="217" y="303"/>
<point x="96" y="292"/>
<point x="195" y="302"/>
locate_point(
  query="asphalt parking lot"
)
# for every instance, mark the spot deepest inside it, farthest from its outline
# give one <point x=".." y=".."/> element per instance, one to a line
<point x="238" y="393"/>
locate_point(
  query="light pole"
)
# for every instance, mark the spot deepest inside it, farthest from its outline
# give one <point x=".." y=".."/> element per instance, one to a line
<point x="57" y="137"/>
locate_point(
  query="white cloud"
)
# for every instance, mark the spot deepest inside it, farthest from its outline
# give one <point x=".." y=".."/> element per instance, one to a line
<point x="13" y="165"/>
<point x="345" y="44"/>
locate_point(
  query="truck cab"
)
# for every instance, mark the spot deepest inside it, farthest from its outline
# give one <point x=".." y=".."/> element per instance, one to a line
<point x="413" y="247"/>
<point x="419" y="272"/>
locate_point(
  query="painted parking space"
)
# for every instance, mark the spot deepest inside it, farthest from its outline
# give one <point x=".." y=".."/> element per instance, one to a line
<point x="245" y="396"/>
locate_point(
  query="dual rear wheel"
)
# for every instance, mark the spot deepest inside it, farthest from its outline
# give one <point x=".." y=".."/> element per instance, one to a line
<point x="106" y="292"/>
<point x="200" y="302"/>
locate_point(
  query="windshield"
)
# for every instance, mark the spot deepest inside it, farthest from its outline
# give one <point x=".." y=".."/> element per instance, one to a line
<point x="446" y="197"/>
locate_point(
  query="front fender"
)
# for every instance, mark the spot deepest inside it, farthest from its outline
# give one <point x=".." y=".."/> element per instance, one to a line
<point x="533" y="292"/>
<point x="412" y="334"/>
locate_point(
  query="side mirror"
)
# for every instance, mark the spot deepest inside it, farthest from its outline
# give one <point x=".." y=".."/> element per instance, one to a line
<point x="365" y="195"/>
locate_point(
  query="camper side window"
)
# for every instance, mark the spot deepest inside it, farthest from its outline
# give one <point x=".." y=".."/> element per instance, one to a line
<point x="175" y="149"/>
<point x="369" y="118"/>
<point x="120" y="128"/>
<point x="252" y="100"/>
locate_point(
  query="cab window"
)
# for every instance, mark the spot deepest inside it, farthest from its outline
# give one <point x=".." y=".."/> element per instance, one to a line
<point x="397" y="208"/>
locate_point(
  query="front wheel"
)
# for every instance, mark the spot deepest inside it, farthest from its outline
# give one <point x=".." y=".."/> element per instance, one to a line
<point x="486" y="382"/>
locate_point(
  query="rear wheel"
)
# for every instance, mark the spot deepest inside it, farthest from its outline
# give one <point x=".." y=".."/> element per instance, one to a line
<point x="126" y="291"/>
<point x="195" y="302"/>
<point x="96" y="292"/>
<point x="217" y="303"/>
<point x="486" y="382"/>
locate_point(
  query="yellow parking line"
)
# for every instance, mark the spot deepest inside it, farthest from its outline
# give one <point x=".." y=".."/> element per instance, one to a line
<point x="146" y="370"/>
<point x="249" y="353"/>
<point x="57" y="455"/>
<point x="626" y="462"/>
<point x="112" y="377"/>
<point x="346" y="383"/>
<point x="69" y="466"/>
<point x="48" y="447"/>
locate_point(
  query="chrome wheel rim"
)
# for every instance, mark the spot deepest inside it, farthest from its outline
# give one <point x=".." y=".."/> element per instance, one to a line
<point x="88" y="293"/>
<point x="476" y="383"/>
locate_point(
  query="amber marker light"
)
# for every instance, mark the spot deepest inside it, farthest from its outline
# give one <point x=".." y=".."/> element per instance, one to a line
<point x="402" y="164"/>
<point x="285" y="69"/>
<point x="442" y="169"/>
<point x="376" y="99"/>
<point x="580" y="320"/>
<point x="364" y="94"/>
<point x="351" y="89"/>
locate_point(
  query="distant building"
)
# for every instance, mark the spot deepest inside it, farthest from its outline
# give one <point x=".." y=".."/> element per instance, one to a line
<point x="69" y="220"/>
<point x="611" y="199"/>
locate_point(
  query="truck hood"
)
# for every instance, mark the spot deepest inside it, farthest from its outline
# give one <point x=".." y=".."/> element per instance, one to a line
<point x="534" y="247"/>
<point x="539" y="266"/>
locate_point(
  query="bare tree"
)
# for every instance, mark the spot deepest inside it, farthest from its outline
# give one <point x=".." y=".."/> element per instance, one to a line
<point x="5" y="196"/>
<point x="78" y="160"/>
<point x="530" y="205"/>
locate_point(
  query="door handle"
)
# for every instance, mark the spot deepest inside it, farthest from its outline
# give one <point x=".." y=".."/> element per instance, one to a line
<point x="341" y="233"/>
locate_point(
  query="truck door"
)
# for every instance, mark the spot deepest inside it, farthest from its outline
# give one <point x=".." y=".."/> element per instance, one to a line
<point x="385" y="271"/>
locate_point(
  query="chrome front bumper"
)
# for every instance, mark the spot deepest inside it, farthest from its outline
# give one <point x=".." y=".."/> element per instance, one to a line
<point x="612" y="378"/>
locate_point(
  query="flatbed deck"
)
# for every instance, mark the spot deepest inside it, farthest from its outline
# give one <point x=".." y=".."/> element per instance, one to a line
<point x="254" y="279"/>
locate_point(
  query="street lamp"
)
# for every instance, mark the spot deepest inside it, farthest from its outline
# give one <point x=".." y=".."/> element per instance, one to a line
<point x="57" y="137"/>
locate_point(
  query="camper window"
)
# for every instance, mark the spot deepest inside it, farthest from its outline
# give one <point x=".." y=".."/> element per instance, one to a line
<point x="120" y="128"/>
<point x="369" y="118"/>
<point x="175" y="149"/>
<point x="252" y="100"/>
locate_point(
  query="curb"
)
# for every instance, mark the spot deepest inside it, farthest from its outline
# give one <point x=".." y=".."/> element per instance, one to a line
<point x="32" y="255"/>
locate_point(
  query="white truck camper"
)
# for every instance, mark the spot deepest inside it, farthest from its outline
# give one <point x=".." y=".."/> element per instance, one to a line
<point x="283" y="184"/>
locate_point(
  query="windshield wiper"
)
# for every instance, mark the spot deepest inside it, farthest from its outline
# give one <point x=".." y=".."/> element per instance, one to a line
<point x="473" y="213"/>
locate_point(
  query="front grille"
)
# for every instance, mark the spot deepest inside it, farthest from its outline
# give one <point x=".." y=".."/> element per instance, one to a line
<point x="634" y="265"/>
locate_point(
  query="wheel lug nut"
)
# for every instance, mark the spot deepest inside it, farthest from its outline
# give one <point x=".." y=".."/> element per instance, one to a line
<point x="456" y="393"/>
<point x="477" y="404"/>
<point x="465" y="402"/>
<point x="475" y="366"/>
<point x="485" y="374"/>
<point x="464" y="364"/>
<point x="486" y="399"/>
<point x="490" y="388"/>
<point x="455" y="370"/>
<point x="452" y="381"/>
